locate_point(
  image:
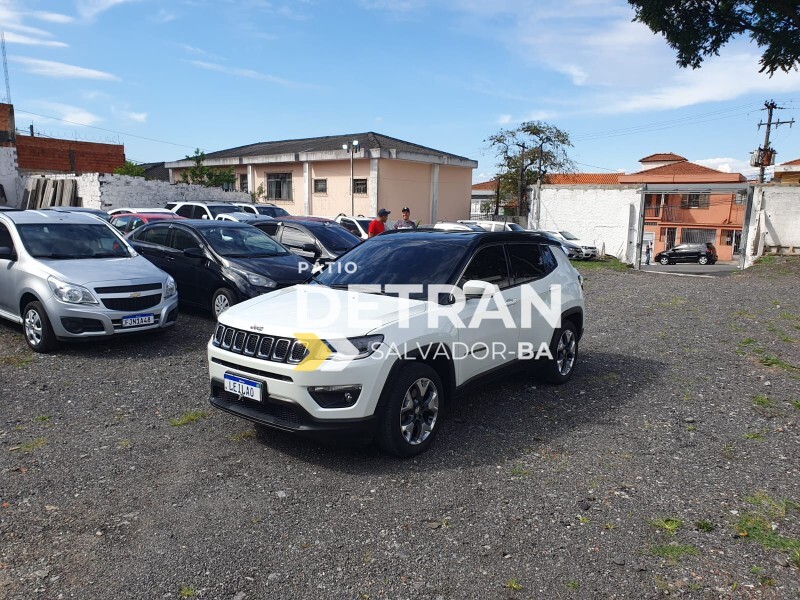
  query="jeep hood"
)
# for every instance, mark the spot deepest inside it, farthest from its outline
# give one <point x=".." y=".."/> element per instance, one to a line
<point x="323" y="311"/>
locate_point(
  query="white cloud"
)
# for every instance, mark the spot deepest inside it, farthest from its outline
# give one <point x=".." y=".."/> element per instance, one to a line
<point x="504" y="119"/>
<point x="164" y="16"/>
<point x="66" y="112"/>
<point x="247" y="73"/>
<point x="199" y="52"/>
<point x="89" y="9"/>
<point x="396" y="6"/>
<point x="52" y="17"/>
<point x="17" y="38"/>
<point x="58" y="70"/>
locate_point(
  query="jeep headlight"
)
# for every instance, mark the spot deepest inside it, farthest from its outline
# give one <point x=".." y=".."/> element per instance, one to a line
<point x="354" y="348"/>
<point x="170" y="289"/>
<point x="71" y="293"/>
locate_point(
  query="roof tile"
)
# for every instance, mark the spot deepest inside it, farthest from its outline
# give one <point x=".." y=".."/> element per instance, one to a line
<point x="662" y="157"/>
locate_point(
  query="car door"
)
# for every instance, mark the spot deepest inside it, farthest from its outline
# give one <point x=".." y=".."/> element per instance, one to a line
<point x="485" y="343"/>
<point x="191" y="273"/>
<point x="532" y="267"/>
<point x="296" y="239"/>
<point x="8" y="274"/>
<point x="151" y="242"/>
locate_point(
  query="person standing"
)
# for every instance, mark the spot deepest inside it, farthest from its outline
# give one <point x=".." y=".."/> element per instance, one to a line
<point x="405" y="222"/>
<point x="378" y="226"/>
<point x="647" y="252"/>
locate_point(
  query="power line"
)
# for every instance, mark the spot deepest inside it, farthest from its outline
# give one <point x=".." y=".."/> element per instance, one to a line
<point x="141" y="137"/>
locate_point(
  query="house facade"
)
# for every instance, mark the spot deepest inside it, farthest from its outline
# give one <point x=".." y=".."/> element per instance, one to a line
<point x="698" y="210"/>
<point x="312" y="176"/>
<point x="788" y="172"/>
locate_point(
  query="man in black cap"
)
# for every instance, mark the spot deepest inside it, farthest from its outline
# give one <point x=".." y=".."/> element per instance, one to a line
<point x="378" y="226"/>
<point x="405" y="222"/>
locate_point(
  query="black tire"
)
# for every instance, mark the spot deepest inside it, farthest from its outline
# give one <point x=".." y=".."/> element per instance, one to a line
<point x="664" y="260"/>
<point x="221" y="300"/>
<point x="703" y="260"/>
<point x="36" y="327"/>
<point x="404" y="427"/>
<point x="555" y="371"/>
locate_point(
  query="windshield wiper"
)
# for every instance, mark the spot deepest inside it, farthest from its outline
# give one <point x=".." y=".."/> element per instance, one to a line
<point x="56" y="255"/>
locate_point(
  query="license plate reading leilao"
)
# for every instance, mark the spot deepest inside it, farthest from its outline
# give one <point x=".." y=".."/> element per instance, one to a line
<point x="135" y="320"/>
<point x="246" y="388"/>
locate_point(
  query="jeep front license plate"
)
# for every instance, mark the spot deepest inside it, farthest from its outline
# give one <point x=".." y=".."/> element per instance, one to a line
<point x="244" y="388"/>
<point x="136" y="320"/>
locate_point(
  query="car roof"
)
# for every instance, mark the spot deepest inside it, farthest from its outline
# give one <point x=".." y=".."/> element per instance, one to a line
<point x="25" y="217"/>
<point x="307" y="218"/>
<point x="474" y="238"/>
<point x="209" y="223"/>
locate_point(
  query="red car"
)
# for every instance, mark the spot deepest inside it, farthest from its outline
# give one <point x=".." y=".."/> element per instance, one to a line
<point x="129" y="221"/>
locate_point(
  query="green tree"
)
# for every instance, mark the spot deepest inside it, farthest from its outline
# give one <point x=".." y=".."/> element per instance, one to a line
<point x="696" y="29"/>
<point x="200" y="174"/>
<point x="130" y="169"/>
<point x="532" y="150"/>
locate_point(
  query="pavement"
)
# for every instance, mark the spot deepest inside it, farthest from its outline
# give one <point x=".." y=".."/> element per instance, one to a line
<point x="720" y="269"/>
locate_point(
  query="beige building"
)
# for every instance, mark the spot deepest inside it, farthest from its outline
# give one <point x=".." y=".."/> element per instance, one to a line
<point x="312" y="176"/>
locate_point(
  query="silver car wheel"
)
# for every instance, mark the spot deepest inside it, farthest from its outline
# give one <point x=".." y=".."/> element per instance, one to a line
<point x="33" y="327"/>
<point x="419" y="411"/>
<point x="221" y="304"/>
<point x="565" y="352"/>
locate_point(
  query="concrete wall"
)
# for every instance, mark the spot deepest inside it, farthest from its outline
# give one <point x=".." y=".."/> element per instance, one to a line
<point x="781" y="220"/>
<point x="107" y="192"/>
<point x="406" y="183"/>
<point x="604" y="215"/>
<point x="9" y="178"/>
<point x="455" y="191"/>
<point x="337" y="199"/>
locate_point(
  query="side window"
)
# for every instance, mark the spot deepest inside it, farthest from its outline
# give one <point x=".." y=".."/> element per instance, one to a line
<point x="135" y="224"/>
<point x="186" y="211"/>
<point x="527" y="262"/>
<point x="170" y="205"/>
<point x="5" y="238"/>
<point x="182" y="239"/>
<point x="121" y="223"/>
<point x="489" y="265"/>
<point x="295" y="238"/>
<point x="549" y="259"/>
<point x="351" y="227"/>
<point x="155" y="235"/>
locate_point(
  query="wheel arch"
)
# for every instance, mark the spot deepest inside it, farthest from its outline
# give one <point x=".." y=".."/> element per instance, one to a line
<point x="575" y="316"/>
<point x="438" y="356"/>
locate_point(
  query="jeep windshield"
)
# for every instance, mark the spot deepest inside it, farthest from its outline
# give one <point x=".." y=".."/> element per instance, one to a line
<point x="71" y="241"/>
<point x="241" y="241"/>
<point x="396" y="259"/>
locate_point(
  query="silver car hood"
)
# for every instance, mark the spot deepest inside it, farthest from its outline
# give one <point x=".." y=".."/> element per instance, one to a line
<point x="92" y="271"/>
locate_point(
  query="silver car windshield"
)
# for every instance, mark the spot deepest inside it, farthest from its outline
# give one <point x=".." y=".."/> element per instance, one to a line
<point x="71" y="240"/>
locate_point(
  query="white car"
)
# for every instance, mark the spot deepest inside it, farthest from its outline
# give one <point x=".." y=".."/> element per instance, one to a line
<point x="127" y="210"/>
<point x="588" y="249"/>
<point x="334" y="357"/>
<point x="243" y="217"/>
<point x="450" y="226"/>
<point x="265" y="210"/>
<point x="358" y="226"/>
<point x="202" y="210"/>
<point x="494" y="225"/>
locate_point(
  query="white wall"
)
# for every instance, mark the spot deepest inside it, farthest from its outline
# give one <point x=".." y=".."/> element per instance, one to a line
<point x="606" y="215"/>
<point x="9" y="178"/>
<point x="774" y="222"/>
<point x="107" y="192"/>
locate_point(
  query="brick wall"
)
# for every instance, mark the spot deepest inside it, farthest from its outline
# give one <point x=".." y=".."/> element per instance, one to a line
<point x="7" y="127"/>
<point x="38" y="154"/>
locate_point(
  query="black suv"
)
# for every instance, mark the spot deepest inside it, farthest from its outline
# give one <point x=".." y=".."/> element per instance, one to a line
<point x="316" y="239"/>
<point x="704" y="254"/>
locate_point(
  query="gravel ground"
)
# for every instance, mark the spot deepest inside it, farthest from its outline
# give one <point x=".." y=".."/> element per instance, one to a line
<point x="670" y="464"/>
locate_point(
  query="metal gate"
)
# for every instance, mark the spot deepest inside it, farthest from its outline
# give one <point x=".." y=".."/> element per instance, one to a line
<point x="698" y="236"/>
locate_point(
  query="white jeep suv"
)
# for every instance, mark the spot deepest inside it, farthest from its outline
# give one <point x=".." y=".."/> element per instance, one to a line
<point x="394" y="330"/>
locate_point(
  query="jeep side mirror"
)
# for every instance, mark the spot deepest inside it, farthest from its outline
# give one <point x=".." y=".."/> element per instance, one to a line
<point x="474" y="288"/>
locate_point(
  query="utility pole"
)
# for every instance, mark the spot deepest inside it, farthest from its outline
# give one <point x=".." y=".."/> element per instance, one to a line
<point x="521" y="186"/>
<point x="766" y="153"/>
<point x="5" y="65"/>
<point x="539" y="176"/>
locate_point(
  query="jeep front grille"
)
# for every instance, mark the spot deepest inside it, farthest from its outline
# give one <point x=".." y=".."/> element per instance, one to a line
<point x="261" y="346"/>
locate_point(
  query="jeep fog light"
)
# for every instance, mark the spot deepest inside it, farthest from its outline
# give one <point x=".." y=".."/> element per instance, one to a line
<point x="335" y="396"/>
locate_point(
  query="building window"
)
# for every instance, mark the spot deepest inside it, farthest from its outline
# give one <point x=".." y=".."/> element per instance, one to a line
<point x="279" y="186"/>
<point x="694" y="201"/>
<point x="726" y="239"/>
<point x="243" y="183"/>
<point x="359" y="186"/>
<point x="227" y="186"/>
<point x="320" y="186"/>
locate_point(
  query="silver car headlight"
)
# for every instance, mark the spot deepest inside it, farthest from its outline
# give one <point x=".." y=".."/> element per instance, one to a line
<point x="170" y="289"/>
<point x="70" y="292"/>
